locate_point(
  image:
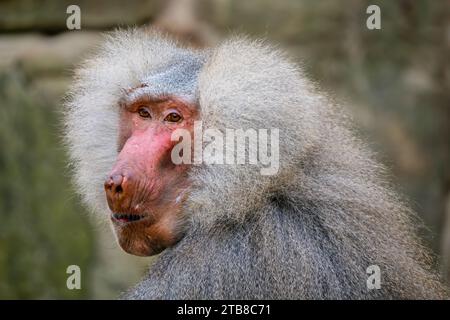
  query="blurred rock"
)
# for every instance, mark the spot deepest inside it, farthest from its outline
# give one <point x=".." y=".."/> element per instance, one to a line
<point x="50" y="16"/>
<point x="180" y="18"/>
<point x="39" y="55"/>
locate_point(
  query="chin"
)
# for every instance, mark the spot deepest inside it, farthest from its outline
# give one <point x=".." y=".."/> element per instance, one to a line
<point x="140" y="235"/>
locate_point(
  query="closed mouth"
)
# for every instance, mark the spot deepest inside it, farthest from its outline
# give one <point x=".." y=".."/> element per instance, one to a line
<point x="126" y="217"/>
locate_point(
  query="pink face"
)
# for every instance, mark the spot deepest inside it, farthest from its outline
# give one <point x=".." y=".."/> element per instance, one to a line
<point x="145" y="189"/>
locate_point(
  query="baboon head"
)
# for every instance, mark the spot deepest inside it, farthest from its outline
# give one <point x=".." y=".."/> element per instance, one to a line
<point x="126" y="104"/>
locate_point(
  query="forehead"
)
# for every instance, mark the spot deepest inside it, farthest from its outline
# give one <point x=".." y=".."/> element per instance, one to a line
<point x="178" y="77"/>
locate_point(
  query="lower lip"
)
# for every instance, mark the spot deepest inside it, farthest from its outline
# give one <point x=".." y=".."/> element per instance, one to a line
<point x="127" y="218"/>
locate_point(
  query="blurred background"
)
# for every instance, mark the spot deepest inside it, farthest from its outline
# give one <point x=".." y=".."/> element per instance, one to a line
<point x="395" y="82"/>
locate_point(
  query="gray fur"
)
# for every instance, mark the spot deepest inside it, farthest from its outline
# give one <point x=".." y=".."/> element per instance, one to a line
<point x="179" y="77"/>
<point x="308" y="232"/>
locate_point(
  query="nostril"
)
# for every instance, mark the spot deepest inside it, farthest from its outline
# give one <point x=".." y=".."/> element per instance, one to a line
<point x="114" y="183"/>
<point x="117" y="179"/>
<point x="119" y="189"/>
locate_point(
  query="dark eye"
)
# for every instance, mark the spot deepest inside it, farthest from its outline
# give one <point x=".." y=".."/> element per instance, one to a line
<point x="143" y="112"/>
<point x="173" y="117"/>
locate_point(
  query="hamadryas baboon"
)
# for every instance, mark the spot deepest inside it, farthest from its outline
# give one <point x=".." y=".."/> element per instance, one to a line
<point x="226" y="231"/>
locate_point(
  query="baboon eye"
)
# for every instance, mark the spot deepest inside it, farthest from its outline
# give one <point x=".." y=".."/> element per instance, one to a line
<point x="143" y="112"/>
<point x="173" y="117"/>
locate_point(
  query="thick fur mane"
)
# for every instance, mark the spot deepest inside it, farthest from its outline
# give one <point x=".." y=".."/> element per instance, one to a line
<point x="309" y="231"/>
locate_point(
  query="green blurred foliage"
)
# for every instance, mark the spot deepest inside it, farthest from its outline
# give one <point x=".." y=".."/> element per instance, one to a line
<point x="42" y="231"/>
